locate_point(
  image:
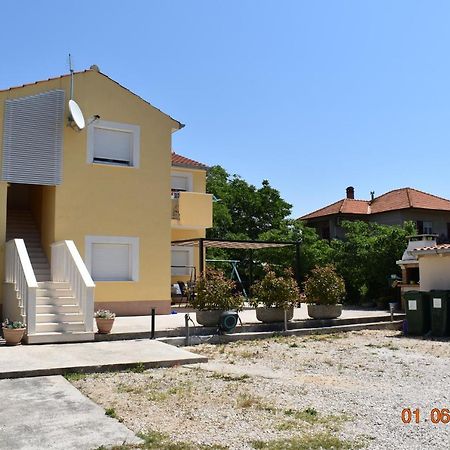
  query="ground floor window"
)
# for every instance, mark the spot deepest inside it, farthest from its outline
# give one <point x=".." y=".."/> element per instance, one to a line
<point x="112" y="258"/>
<point x="182" y="260"/>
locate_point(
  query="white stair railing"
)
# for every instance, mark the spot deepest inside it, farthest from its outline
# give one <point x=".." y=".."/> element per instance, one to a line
<point x="18" y="270"/>
<point x="68" y="266"/>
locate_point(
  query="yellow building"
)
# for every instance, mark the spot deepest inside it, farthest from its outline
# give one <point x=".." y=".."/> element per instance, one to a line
<point x="104" y="186"/>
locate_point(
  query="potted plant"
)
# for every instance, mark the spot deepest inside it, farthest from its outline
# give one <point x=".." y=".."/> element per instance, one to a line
<point x="324" y="290"/>
<point x="274" y="295"/>
<point x="214" y="294"/>
<point x="105" y="320"/>
<point x="13" y="331"/>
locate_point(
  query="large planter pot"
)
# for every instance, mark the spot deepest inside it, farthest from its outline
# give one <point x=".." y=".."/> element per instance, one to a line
<point x="13" y="336"/>
<point x="209" y="318"/>
<point x="104" y="325"/>
<point x="324" y="311"/>
<point x="271" y="315"/>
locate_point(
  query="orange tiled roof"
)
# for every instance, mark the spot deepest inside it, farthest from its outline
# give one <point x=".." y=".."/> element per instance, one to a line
<point x="183" y="161"/>
<point x="344" y="206"/>
<point x="393" y="200"/>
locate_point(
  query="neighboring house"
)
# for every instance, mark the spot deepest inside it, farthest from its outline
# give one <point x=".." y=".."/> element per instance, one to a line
<point x="430" y="213"/>
<point x="104" y="187"/>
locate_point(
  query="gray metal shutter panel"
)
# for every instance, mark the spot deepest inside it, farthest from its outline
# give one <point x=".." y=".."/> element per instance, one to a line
<point x="33" y="139"/>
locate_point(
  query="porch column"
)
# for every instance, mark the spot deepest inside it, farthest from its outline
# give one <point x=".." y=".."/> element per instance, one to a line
<point x="201" y="256"/>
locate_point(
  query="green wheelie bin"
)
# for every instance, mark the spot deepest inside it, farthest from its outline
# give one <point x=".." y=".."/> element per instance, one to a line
<point x="440" y="313"/>
<point x="417" y="306"/>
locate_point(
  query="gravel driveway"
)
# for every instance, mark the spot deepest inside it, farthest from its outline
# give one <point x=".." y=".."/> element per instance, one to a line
<point x="332" y="391"/>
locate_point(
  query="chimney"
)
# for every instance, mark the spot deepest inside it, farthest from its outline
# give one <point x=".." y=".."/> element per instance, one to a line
<point x="350" y="192"/>
<point x="372" y="196"/>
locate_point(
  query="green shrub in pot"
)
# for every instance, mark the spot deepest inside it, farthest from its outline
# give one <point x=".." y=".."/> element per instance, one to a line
<point x="324" y="291"/>
<point x="214" y="294"/>
<point x="274" y="294"/>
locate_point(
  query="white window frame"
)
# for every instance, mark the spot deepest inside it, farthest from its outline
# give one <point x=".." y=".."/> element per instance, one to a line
<point x="187" y="175"/>
<point x="134" y="254"/>
<point x="135" y="130"/>
<point x="190" y="251"/>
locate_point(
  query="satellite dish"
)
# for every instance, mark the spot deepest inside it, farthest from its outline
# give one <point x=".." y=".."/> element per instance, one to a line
<point x="76" y="114"/>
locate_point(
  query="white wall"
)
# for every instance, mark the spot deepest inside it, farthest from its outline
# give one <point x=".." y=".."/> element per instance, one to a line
<point x="434" y="272"/>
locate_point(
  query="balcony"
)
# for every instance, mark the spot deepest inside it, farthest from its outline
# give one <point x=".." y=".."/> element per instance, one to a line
<point x="192" y="209"/>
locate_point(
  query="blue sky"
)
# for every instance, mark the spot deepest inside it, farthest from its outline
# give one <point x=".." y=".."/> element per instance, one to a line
<point x="311" y="95"/>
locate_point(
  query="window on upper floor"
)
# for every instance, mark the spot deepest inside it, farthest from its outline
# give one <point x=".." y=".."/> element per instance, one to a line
<point x="181" y="182"/>
<point x="113" y="143"/>
<point x="427" y="227"/>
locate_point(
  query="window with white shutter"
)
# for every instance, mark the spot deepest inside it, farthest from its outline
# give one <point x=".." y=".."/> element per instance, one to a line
<point x="110" y="258"/>
<point x="182" y="260"/>
<point x="181" y="182"/>
<point x="113" y="143"/>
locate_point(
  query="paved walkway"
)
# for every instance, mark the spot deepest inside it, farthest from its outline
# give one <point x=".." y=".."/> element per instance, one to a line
<point x="57" y="359"/>
<point x="141" y="324"/>
<point x="49" y="413"/>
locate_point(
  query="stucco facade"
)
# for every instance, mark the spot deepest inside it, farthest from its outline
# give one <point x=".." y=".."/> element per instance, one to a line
<point x="105" y="200"/>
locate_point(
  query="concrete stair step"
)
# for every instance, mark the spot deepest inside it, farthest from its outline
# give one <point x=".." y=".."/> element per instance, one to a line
<point x="54" y="285"/>
<point x="58" y="337"/>
<point x="55" y="294"/>
<point x="51" y="308"/>
<point x="45" y="327"/>
<point x="66" y="299"/>
<point x="55" y="318"/>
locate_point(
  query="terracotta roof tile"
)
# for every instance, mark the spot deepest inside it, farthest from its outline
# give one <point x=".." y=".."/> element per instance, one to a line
<point x="434" y="247"/>
<point x="345" y="206"/>
<point x="393" y="200"/>
<point x="183" y="161"/>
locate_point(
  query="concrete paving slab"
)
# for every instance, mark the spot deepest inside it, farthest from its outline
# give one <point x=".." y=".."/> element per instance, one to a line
<point x="49" y="413"/>
<point x="58" y="359"/>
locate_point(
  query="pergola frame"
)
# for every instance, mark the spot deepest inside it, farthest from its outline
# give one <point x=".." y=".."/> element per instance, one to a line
<point x="203" y="243"/>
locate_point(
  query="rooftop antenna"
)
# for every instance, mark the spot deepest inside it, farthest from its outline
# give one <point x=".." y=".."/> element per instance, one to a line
<point x="71" y="76"/>
<point x="76" y="118"/>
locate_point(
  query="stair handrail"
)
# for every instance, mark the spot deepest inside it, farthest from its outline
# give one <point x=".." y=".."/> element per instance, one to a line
<point x="19" y="271"/>
<point x="68" y="266"/>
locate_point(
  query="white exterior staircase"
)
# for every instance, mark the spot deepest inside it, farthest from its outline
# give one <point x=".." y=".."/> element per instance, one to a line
<point x="20" y="224"/>
<point x="55" y="302"/>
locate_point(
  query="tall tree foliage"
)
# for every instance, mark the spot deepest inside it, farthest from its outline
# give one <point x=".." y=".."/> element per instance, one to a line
<point x="242" y="210"/>
<point x="365" y="258"/>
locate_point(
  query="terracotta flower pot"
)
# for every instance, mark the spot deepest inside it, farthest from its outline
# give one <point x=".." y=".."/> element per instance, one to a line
<point x="104" y="325"/>
<point x="271" y="315"/>
<point x="324" y="311"/>
<point x="13" y="336"/>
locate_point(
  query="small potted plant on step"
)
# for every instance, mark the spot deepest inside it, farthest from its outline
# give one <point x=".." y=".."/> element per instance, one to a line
<point x="214" y="294"/>
<point x="105" y="320"/>
<point x="324" y="291"/>
<point x="274" y="295"/>
<point x="13" y="331"/>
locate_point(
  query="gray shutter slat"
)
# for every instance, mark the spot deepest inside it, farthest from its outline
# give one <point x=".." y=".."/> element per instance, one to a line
<point x="33" y="139"/>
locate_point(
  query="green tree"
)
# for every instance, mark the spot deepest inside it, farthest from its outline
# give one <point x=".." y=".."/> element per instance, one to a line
<point x="242" y="210"/>
<point x="367" y="256"/>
